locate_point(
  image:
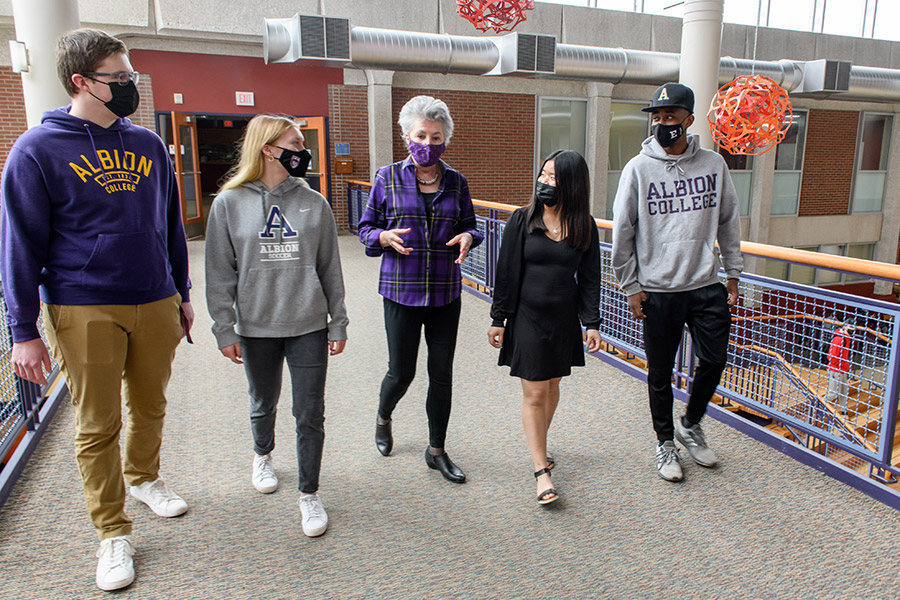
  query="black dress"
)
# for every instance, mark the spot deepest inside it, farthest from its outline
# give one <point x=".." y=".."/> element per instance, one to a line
<point x="542" y="289"/>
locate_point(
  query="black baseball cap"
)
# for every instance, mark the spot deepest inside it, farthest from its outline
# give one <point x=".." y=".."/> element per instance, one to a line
<point x="672" y="94"/>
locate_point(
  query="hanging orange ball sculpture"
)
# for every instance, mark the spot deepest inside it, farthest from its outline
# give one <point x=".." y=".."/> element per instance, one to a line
<point x="499" y="15"/>
<point x="750" y="115"/>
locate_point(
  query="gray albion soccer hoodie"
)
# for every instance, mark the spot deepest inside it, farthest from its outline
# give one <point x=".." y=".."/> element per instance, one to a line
<point x="272" y="264"/>
<point x="668" y="213"/>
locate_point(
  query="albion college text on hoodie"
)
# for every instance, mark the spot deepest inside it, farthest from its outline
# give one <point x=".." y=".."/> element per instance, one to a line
<point x="668" y="213"/>
<point x="90" y="216"/>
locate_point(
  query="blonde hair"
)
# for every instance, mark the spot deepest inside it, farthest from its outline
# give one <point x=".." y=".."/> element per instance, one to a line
<point x="261" y="130"/>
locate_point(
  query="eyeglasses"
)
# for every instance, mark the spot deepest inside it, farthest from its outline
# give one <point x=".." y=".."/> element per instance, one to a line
<point x="122" y="77"/>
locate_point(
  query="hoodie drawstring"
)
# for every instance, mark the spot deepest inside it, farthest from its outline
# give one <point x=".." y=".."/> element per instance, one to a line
<point x="87" y="128"/>
<point x="674" y="165"/>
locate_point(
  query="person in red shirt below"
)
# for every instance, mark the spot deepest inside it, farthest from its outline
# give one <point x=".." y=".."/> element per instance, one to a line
<point x="839" y="367"/>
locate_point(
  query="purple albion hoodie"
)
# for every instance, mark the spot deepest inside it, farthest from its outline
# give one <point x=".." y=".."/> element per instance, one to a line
<point x="89" y="216"/>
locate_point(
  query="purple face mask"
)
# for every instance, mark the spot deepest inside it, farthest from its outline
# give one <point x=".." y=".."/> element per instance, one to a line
<point x="426" y="155"/>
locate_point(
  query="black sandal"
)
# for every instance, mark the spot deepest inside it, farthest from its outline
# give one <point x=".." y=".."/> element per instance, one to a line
<point x="542" y="497"/>
<point x="551" y="464"/>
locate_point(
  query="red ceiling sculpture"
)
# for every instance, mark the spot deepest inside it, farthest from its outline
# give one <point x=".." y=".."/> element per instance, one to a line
<point x="750" y="115"/>
<point x="499" y="15"/>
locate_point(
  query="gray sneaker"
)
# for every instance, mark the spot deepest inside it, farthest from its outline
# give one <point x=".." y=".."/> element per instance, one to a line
<point x="668" y="462"/>
<point x="695" y="441"/>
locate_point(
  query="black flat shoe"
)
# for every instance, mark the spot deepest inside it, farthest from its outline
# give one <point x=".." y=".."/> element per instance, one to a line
<point x="442" y="463"/>
<point x="384" y="440"/>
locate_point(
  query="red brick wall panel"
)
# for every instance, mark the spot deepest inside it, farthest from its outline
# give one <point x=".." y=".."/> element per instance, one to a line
<point x="492" y="144"/>
<point x="825" y="188"/>
<point x="348" y="123"/>
<point x="14" y="122"/>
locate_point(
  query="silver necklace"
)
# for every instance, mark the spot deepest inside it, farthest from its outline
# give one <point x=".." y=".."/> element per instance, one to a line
<point x="437" y="174"/>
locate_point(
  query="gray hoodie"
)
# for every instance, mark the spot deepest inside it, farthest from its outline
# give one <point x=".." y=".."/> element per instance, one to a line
<point x="272" y="264"/>
<point x="668" y="213"/>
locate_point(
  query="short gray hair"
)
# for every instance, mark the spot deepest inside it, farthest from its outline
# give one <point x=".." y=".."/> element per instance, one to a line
<point x="425" y="107"/>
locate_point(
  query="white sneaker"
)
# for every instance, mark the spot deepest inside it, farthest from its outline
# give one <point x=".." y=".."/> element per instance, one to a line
<point x="264" y="479"/>
<point x="160" y="499"/>
<point x="115" y="567"/>
<point x="668" y="462"/>
<point x="315" y="519"/>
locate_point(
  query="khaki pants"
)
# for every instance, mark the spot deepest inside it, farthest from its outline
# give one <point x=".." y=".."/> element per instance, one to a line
<point x="98" y="348"/>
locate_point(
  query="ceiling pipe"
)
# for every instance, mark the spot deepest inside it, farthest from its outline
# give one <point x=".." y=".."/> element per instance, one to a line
<point x="374" y="48"/>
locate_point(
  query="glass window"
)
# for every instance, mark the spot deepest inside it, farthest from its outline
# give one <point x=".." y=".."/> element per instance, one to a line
<point x="789" y="153"/>
<point x="863" y="251"/>
<point x="563" y="126"/>
<point x="628" y="127"/>
<point x="813" y="276"/>
<point x="789" y="167"/>
<point x="873" y="153"/>
<point x="824" y="276"/>
<point x="741" y="167"/>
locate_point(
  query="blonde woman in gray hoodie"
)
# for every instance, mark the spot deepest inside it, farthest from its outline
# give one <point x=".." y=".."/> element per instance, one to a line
<point x="275" y="292"/>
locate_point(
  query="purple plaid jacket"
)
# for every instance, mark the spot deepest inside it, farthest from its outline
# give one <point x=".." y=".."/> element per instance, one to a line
<point x="427" y="276"/>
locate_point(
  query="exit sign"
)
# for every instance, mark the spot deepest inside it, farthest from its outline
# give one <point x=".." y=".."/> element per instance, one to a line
<point x="244" y="98"/>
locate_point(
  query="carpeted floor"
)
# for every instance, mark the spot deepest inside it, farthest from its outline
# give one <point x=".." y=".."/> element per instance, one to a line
<point x="759" y="526"/>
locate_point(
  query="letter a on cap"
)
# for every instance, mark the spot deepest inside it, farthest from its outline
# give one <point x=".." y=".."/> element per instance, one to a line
<point x="663" y="95"/>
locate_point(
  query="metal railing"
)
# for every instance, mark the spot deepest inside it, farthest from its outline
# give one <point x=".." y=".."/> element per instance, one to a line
<point x="774" y="388"/>
<point x="25" y="411"/>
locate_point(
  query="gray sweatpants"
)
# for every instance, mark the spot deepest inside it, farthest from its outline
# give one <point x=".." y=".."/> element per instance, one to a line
<point x="307" y="360"/>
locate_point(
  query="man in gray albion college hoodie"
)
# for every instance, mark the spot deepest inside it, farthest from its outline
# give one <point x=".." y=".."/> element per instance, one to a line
<point x="674" y="201"/>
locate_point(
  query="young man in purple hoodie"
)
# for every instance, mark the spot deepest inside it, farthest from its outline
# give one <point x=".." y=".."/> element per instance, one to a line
<point x="92" y="237"/>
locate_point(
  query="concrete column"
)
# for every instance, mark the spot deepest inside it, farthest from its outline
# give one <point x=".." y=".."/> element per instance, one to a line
<point x="886" y="250"/>
<point x="597" y="143"/>
<point x="39" y="23"/>
<point x="381" y="119"/>
<point x="760" y="207"/>
<point x="701" y="40"/>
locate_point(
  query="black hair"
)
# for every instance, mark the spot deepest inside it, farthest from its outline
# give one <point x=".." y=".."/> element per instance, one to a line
<point x="573" y="187"/>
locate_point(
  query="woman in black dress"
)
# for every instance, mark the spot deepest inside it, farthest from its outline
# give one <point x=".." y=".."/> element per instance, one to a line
<point x="548" y="279"/>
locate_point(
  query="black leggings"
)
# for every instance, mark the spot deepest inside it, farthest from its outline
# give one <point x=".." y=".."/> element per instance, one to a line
<point x="706" y="313"/>
<point x="403" y="325"/>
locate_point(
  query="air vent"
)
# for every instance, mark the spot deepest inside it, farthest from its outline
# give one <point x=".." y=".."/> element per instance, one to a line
<point x="307" y="37"/>
<point x="823" y="77"/>
<point x="525" y="54"/>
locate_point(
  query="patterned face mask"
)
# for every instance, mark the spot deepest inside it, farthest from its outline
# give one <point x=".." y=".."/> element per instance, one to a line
<point x="295" y="162"/>
<point x="426" y="155"/>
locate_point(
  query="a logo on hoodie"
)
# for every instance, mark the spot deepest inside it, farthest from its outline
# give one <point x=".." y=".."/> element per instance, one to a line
<point x="685" y="195"/>
<point x="115" y="171"/>
<point x="285" y="250"/>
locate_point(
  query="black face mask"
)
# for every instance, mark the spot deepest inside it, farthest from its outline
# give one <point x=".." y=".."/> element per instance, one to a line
<point x="546" y="194"/>
<point x="668" y="135"/>
<point x="125" y="98"/>
<point x="295" y="162"/>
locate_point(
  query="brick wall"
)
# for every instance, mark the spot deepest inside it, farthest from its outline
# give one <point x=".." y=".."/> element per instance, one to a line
<point x="348" y="123"/>
<point x="14" y="122"/>
<point x="145" y="115"/>
<point x="828" y="162"/>
<point x="492" y="144"/>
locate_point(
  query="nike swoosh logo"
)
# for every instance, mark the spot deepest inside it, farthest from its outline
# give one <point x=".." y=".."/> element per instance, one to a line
<point x="304" y="209"/>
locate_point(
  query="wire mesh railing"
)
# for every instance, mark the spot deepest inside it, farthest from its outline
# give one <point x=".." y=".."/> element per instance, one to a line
<point x="779" y="358"/>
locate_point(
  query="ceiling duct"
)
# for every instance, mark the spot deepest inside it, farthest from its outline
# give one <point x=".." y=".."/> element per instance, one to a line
<point x="307" y="37"/>
<point x="335" y="41"/>
<point x="615" y="64"/>
<point x="525" y="54"/>
<point x="429" y="52"/>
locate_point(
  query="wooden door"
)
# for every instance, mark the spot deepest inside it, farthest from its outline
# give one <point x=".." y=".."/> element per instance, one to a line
<point x="187" y="166"/>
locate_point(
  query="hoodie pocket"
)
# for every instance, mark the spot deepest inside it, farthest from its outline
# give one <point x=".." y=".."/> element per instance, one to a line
<point x="135" y="262"/>
<point x="682" y="263"/>
<point x="273" y="295"/>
